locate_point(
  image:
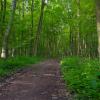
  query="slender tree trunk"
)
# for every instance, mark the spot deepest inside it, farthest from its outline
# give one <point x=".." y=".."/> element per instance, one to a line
<point x="78" y="26"/>
<point x="71" y="41"/>
<point x="4" y="53"/>
<point x="23" y="8"/>
<point x="2" y="18"/>
<point x="39" y="29"/>
<point x="4" y="11"/>
<point x="98" y="23"/>
<point x="32" y="25"/>
<point x="1" y="8"/>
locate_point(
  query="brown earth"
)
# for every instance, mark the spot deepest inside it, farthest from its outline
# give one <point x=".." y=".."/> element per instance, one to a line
<point x="40" y="82"/>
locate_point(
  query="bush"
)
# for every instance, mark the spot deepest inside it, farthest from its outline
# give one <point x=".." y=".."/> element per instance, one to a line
<point x="13" y="64"/>
<point x="82" y="76"/>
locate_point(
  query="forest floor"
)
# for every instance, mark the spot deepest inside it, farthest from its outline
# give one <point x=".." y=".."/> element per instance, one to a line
<point x="40" y="82"/>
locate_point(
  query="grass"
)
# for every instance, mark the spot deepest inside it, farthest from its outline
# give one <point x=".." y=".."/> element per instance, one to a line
<point x="82" y="76"/>
<point x="11" y="65"/>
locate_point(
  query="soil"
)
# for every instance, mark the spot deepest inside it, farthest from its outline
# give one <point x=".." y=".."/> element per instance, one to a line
<point x="42" y="81"/>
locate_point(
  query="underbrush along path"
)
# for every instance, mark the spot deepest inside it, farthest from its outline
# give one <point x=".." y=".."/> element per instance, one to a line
<point x="41" y="82"/>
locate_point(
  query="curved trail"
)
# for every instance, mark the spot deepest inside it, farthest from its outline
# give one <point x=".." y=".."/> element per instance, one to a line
<point x="41" y="82"/>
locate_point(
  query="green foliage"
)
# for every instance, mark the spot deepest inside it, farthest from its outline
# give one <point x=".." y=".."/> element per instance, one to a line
<point x="82" y="76"/>
<point x="61" y="25"/>
<point x="11" y="65"/>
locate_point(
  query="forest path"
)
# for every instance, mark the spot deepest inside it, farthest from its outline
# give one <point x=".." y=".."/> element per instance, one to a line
<point x="40" y="82"/>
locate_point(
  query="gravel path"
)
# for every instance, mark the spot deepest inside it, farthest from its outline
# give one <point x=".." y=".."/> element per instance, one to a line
<point x="41" y="82"/>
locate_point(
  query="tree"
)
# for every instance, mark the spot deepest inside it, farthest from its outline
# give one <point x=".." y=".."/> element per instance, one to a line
<point x="63" y="27"/>
<point x="98" y="23"/>
<point x="4" y="53"/>
<point x="39" y="28"/>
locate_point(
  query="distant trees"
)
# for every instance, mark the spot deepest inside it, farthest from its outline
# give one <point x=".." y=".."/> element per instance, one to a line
<point x="83" y="37"/>
<point x="48" y="28"/>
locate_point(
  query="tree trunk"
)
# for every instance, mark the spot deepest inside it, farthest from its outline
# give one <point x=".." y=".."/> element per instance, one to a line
<point x="78" y="27"/>
<point x="39" y="29"/>
<point x="32" y="26"/>
<point x="98" y="23"/>
<point x="4" y="53"/>
<point x="4" y="11"/>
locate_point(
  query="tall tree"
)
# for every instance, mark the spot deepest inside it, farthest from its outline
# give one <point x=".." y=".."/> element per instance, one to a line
<point x="4" y="53"/>
<point x="78" y="24"/>
<point x="98" y="23"/>
<point x="39" y="28"/>
<point x="32" y="26"/>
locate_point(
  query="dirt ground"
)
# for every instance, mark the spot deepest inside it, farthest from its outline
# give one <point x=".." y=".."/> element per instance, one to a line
<point x="40" y="82"/>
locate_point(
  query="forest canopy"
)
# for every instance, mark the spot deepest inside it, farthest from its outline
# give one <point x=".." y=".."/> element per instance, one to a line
<point x="51" y="28"/>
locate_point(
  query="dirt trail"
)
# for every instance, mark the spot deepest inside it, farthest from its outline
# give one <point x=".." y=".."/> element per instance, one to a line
<point x="41" y="82"/>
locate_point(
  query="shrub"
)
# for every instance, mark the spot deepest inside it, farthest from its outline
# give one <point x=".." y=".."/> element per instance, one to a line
<point x="82" y="76"/>
<point x="13" y="64"/>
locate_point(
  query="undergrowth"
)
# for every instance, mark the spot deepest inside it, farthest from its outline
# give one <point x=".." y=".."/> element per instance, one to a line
<point x="82" y="77"/>
<point x="11" y="65"/>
